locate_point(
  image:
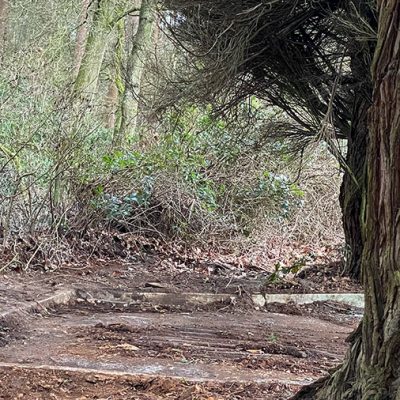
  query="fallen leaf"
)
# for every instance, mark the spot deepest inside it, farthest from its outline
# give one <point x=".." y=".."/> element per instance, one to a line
<point x="156" y="285"/>
<point x="254" y="351"/>
<point x="127" y="346"/>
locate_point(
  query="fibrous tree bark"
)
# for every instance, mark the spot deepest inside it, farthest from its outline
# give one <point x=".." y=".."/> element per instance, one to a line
<point x="371" y="370"/>
<point x="353" y="185"/>
<point x="134" y="71"/>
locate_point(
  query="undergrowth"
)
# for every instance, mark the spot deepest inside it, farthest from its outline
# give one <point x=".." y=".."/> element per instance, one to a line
<point x="189" y="180"/>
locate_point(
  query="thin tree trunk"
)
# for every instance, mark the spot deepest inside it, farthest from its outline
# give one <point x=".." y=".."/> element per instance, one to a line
<point x="111" y="102"/>
<point x="135" y="67"/>
<point x="130" y="28"/>
<point x="3" y="25"/>
<point x="81" y="36"/>
<point x="87" y="80"/>
<point x="371" y="370"/>
<point x="116" y="85"/>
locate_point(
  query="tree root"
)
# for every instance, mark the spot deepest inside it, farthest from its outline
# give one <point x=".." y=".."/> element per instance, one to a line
<point x="341" y="383"/>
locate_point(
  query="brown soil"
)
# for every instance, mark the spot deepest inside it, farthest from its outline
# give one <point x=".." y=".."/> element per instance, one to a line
<point x="92" y="349"/>
<point x="326" y="311"/>
<point x="313" y="279"/>
<point x="17" y="383"/>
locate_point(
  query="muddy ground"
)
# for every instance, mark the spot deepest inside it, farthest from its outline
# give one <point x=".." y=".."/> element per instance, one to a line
<point x="94" y="347"/>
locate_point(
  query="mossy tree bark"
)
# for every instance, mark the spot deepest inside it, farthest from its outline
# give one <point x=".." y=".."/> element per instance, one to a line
<point x="81" y="36"/>
<point x="97" y="41"/>
<point x="134" y="71"/>
<point x="3" y="25"/>
<point x="116" y="85"/>
<point x="371" y="370"/>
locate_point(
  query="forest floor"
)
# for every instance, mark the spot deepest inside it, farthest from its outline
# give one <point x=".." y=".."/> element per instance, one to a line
<point x="148" y="331"/>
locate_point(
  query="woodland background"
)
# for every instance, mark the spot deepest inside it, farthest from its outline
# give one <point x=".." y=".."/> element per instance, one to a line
<point x="105" y="150"/>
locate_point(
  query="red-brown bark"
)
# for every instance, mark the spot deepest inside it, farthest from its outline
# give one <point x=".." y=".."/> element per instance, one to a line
<point x="371" y="370"/>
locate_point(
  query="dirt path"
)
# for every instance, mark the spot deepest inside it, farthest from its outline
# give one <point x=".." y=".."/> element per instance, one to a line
<point x="106" y="342"/>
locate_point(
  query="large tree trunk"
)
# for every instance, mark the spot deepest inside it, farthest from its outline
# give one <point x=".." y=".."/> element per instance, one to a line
<point x="135" y="67"/>
<point x="352" y="190"/>
<point x="88" y="75"/>
<point x="353" y="187"/>
<point x="371" y="370"/>
<point x="81" y="36"/>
